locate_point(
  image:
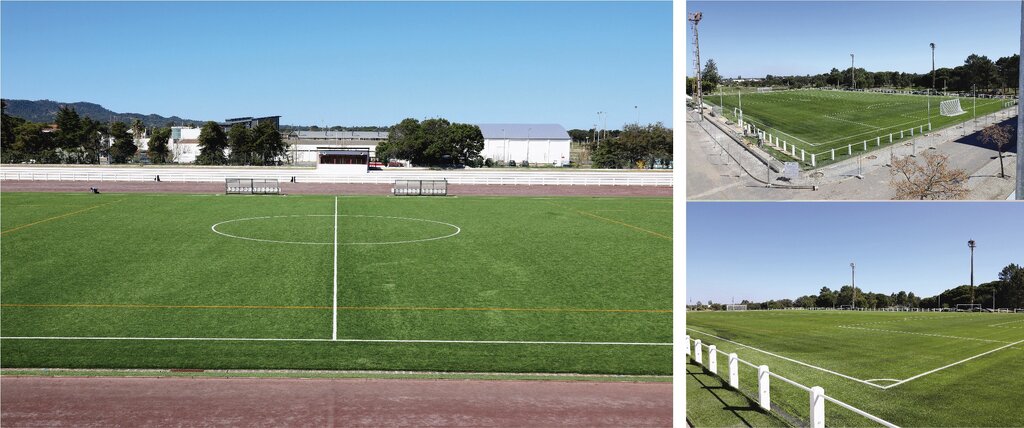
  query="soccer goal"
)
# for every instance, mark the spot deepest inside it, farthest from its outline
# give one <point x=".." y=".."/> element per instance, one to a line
<point x="735" y="307"/>
<point x="846" y="307"/>
<point x="951" y="108"/>
<point x="252" y="186"/>
<point x="420" y="188"/>
<point x="764" y="89"/>
<point x="968" y="307"/>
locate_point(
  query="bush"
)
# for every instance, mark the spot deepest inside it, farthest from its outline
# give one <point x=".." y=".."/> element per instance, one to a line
<point x="489" y="163"/>
<point x="525" y="164"/>
<point x="511" y="163"/>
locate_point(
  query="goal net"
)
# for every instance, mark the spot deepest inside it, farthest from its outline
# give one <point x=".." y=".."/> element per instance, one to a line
<point x="968" y="307"/>
<point x="735" y="307"/>
<point x="764" y="89"/>
<point x="951" y="108"/>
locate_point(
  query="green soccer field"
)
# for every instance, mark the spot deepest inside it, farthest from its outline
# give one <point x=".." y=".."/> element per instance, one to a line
<point x="911" y="369"/>
<point x="482" y="284"/>
<point x="818" y="121"/>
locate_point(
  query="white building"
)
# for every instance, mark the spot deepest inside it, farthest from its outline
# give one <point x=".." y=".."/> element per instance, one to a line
<point x="540" y="144"/>
<point x="304" y="146"/>
<point x="184" y="144"/>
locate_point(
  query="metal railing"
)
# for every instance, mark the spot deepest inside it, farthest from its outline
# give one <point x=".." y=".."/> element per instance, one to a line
<point x="817" y="397"/>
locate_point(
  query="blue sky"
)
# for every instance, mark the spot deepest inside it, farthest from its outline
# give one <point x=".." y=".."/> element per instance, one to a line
<point x="752" y="39"/>
<point x="774" y="250"/>
<point x="347" y="63"/>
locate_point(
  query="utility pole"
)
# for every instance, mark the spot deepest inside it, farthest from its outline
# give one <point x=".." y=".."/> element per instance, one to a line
<point x="971" y="245"/>
<point x="853" y="73"/>
<point x="853" y="282"/>
<point x="695" y="19"/>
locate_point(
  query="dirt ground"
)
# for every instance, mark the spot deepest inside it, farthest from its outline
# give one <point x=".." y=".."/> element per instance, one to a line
<point x="56" y="401"/>
<point x="330" y="189"/>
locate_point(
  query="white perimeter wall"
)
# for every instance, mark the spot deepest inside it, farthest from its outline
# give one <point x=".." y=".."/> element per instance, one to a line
<point x="540" y="151"/>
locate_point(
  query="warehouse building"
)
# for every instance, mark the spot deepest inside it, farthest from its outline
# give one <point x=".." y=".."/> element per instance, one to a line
<point x="539" y="144"/>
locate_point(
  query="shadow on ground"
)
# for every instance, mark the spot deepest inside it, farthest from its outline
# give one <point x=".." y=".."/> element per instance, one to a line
<point x="974" y="139"/>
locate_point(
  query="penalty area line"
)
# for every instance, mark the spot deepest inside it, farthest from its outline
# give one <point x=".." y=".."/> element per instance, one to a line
<point x="951" y="365"/>
<point x="259" y="339"/>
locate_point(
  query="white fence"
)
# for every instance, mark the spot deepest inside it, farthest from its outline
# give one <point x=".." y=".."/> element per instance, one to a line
<point x="817" y="397"/>
<point x="490" y="177"/>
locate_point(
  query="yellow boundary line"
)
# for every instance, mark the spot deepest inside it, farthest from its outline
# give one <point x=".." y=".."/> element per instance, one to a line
<point x="650" y="232"/>
<point x="351" y="308"/>
<point x="54" y="218"/>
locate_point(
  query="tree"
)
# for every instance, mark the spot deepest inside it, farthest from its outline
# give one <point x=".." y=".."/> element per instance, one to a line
<point x="998" y="135"/>
<point x="212" y="143"/>
<point x="826" y="298"/>
<point x="159" y="152"/>
<point x="467" y="141"/>
<point x="138" y="128"/>
<point x="1009" y="71"/>
<point x="124" y="147"/>
<point x="240" y="141"/>
<point x="932" y="180"/>
<point x="710" y="77"/>
<point x="69" y="130"/>
<point x="433" y="142"/>
<point x="267" y="144"/>
<point x="981" y="71"/>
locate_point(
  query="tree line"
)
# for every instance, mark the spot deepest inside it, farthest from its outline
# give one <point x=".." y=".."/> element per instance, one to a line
<point x="80" y="140"/>
<point x="433" y="142"/>
<point x="635" y="146"/>
<point x="999" y="76"/>
<point x="1007" y="292"/>
<point x="241" y="145"/>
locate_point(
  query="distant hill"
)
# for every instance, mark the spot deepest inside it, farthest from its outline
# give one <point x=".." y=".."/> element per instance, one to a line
<point x="45" y="111"/>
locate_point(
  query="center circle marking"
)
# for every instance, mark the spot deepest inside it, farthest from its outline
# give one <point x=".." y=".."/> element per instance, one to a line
<point x="454" y="227"/>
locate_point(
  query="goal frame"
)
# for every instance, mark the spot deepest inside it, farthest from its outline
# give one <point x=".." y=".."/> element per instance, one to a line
<point x="733" y="308"/>
<point x="969" y="306"/>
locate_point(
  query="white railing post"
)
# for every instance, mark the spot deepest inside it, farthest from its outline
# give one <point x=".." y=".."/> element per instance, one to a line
<point x="833" y="154"/>
<point x="687" y="341"/>
<point x="698" y="353"/>
<point x="901" y="134"/>
<point x="763" y="381"/>
<point x="911" y="132"/>
<point x="713" y="359"/>
<point x="817" y="407"/>
<point x="849" y="150"/>
<point x="878" y="141"/>
<point x="865" y="145"/>
<point x="890" y="137"/>
<point x="803" y="155"/>
<point x="813" y="163"/>
<point x="734" y="371"/>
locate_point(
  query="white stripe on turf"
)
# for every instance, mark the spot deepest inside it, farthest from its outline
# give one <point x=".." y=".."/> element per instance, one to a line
<point x="925" y="334"/>
<point x="951" y="365"/>
<point x="258" y="339"/>
<point x="789" y="359"/>
<point x="334" y="316"/>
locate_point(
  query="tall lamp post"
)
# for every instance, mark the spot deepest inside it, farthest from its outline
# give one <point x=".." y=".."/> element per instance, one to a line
<point x="971" y="245"/>
<point x="932" y="89"/>
<point x="853" y="72"/>
<point x="853" y="282"/>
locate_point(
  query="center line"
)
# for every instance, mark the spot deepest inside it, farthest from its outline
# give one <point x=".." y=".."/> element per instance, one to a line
<point x="334" y="328"/>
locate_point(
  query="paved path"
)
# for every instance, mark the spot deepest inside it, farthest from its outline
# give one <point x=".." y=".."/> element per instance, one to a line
<point x="839" y="181"/>
<point x="46" y="401"/>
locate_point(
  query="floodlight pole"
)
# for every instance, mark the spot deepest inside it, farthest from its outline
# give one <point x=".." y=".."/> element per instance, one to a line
<point x="853" y="74"/>
<point x="932" y="88"/>
<point x="853" y="282"/>
<point x="971" y="245"/>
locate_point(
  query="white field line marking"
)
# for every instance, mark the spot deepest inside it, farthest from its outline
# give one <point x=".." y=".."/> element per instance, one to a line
<point x="951" y="365"/>
<point x="924" y="334"/>
<point x="789" y="359"/>
<point x="334" y="317"/>
<point x="851" y="121"/>
<point x="1008" y="322"/>
<point x="257" y="339"/>
<point x="457" y="230"/>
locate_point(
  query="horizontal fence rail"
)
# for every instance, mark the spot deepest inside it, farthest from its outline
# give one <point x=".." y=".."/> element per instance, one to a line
<point x="211" y="175"/>
<point x="817" y="397"/>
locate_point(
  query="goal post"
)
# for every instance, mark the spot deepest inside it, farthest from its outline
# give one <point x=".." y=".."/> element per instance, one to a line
<point x="951" y="108"/>
<point x="735" y="307"/>
<point x="968" y="307"/>
<point x="764" y="89"/>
